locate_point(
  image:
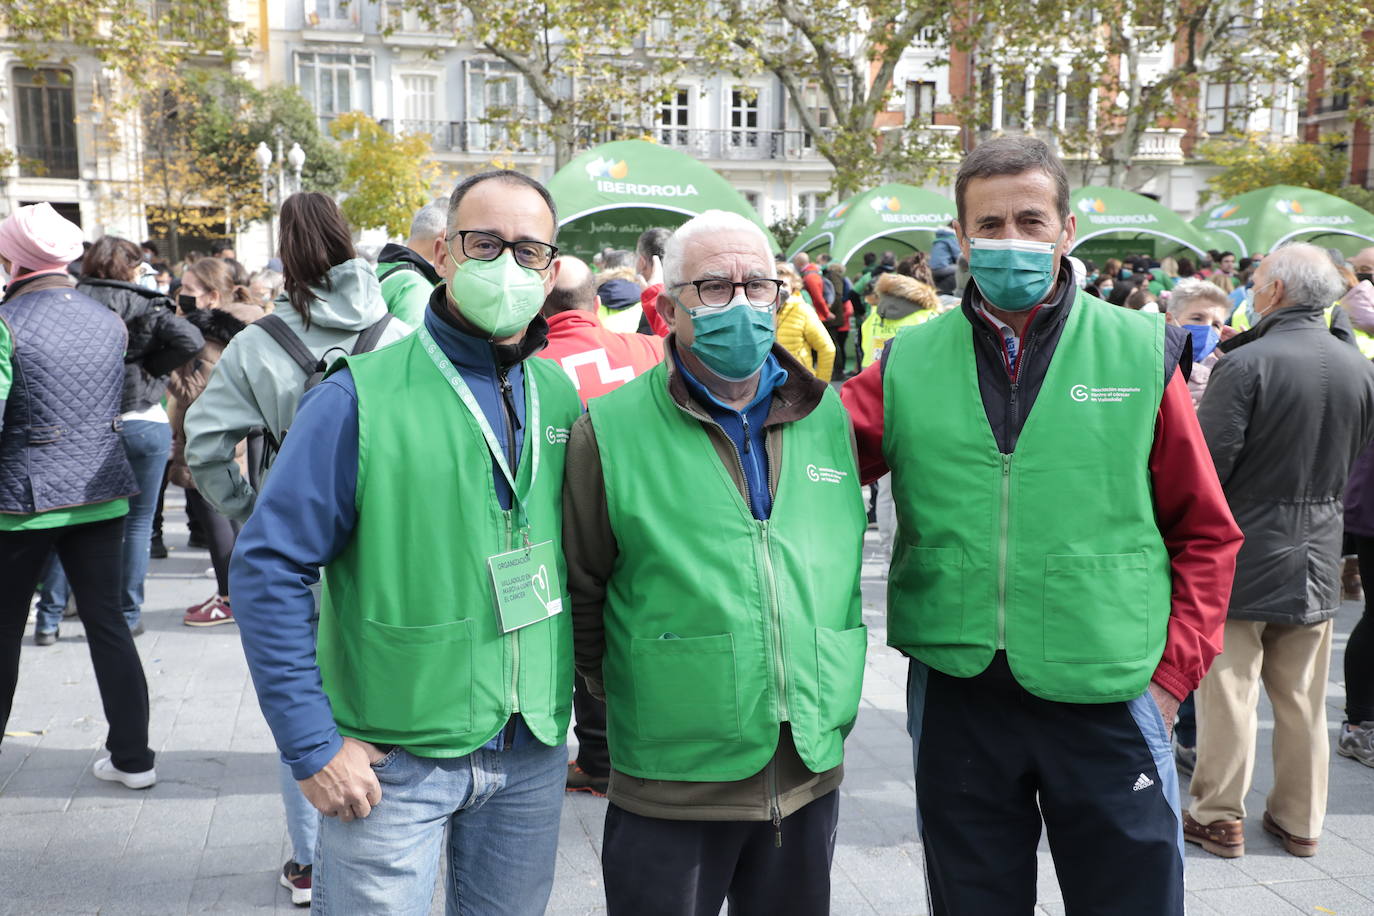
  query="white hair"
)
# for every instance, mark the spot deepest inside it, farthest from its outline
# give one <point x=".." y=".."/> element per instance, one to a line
<point x="707" y="223"/>
<point x="430" y="221"/>
<point x="1309" y="277"/>
<point x="1190" y="289"/>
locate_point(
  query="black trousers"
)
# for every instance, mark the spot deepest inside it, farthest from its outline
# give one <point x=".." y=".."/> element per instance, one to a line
<point x="593" y="754"/>
<point x="92" y="555"/>
<point x="840" y="339"/>
<point x="994" y="761"/>
<point x="220" y="534"/>
<point x="688" y="868"/>
<point x="1359" y="652"/>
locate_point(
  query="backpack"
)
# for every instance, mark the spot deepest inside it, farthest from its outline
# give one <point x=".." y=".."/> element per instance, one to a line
<point x="827" y="289"/>
<point x="315" y="368"/>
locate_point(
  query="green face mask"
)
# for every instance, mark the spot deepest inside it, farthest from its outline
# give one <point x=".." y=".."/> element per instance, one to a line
<point x="1012" y="274"/>
<point x="500" y="296"/>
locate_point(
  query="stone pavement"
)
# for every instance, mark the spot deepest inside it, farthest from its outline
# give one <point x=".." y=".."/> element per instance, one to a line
<point x="210" y="836"/>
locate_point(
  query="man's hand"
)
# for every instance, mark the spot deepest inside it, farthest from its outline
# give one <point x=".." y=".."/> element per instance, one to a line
<point x="1168" y="706"/>
<point x="346" y="788"/>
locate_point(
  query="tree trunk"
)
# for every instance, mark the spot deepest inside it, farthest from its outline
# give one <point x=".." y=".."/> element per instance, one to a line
<point x="563" y="145"/>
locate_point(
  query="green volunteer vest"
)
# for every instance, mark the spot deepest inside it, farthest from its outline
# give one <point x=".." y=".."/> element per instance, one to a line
<point x="877" y="331"/>
<point x="409" y="647"/>
<point x="1051" y="553"/>
<point x="719" y="626"/>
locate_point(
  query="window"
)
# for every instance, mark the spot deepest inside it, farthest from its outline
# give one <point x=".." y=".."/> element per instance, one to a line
<point x="920" y="102"/>
<point x="814" y="101"/>
<point x="1078" y="95"/>
<point x="419" y="100"/>
<point x="812" y="204"/>
<point x="1227" y="107"/>
<point x="744" y="119"/>
<point x="332" y="12"/>
<point x="674" y="118"/>
<point x="46" y="123"/>
<point x="754" y="198"/>
<point x="1014" y="103"/>
<point x="501" y="105"/>
<point x="1046" y="87"/>
<point x="335" y="84"/>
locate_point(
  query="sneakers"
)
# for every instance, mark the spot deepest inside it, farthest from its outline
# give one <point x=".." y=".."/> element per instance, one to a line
<point x="156" y="549"/>
<point x="1185" y="758"/>
<point x="210" y="613"/>
<point x="296" y="879"/>
<point x="1300" y="846"/>
<point x="1355" y="741"/>
<point x="579" y="780"/>
<point x="1220" y="838"/>
<point x="104" y="769"/>
<point x="45" y="639"/>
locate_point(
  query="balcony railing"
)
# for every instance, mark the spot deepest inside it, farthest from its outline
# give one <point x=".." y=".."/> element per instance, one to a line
<point x="47" y="161"/>
<point x="1162" y="145"/>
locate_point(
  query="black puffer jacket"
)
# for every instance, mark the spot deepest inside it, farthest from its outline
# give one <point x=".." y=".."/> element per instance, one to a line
<point x="159" y="341"/>
<point x="1287" y="410"/>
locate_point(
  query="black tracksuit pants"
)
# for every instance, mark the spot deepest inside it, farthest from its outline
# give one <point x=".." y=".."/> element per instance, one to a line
<point x="93" y="557"/>
<point x="689" y="868"/>
<point x="994" y="762"/>
<point x="593" y="754"/>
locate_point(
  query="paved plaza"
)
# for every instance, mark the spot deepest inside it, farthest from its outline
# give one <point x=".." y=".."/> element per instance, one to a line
<point x="210" y="835"/>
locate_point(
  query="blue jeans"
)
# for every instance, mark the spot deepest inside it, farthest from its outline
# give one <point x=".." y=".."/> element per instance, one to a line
<point x="146" y="444"/>
<point x="501" y="809"/>
<point x="302" y="818"/>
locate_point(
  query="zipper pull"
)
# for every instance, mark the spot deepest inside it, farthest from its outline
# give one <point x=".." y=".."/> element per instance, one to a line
<point x="777" y="827"/>
<point x="745" y="421"/>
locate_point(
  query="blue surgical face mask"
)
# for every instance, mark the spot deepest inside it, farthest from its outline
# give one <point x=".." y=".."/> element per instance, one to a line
<point x="1250" y="313"/>
<point x="1205" y="339"/>
<point x="1012" y="274"/>
<point x="734" y="339"/>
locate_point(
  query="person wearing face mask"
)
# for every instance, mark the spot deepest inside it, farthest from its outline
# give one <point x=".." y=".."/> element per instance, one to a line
<point x="424" y="481"/>
<point x="1063" y="558"/>
<point x="724" y="629"/>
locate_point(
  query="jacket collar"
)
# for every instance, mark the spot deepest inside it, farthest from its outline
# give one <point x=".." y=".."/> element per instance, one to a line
<point x="560" y="322"/>
<point x="1292" y="318"/>
<point x="34" y="283"/>
<point x="392" y="253"/>
<point x="467" y="348"/>
<point x="792" y="400"/>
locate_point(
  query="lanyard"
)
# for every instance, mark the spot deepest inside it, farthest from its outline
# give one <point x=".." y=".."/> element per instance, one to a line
<point x="460" y="387"/>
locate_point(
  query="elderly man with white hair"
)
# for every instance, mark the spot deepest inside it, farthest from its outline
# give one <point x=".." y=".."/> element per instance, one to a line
<point x="713" y="525"/>
<point x="1285" y="414"/>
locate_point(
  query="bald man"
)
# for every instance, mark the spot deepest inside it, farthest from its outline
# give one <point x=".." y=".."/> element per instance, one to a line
<point x="597" y="360"/>
<point x="1363" y="263"/>
<point x="1286" y="412"/>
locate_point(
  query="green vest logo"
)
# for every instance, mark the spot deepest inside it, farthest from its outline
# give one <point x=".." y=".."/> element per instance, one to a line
<point x="608" y="176"/>
<point x="825" y="475"/>
<point x="1108" y="395"/>
<point x="556" y="435"/>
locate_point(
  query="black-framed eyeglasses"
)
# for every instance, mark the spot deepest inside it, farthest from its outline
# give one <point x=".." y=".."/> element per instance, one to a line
<point x="761" y="291"/>
<point x="483" y="246"/>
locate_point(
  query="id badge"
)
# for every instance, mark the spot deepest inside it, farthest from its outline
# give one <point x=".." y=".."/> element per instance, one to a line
<point x="525" y="581"/>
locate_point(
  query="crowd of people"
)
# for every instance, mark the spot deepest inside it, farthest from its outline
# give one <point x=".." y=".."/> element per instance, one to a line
<point x="458" y="492"/>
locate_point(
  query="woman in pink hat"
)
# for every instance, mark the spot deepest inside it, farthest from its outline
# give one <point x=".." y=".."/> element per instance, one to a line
<point x="65" y="481"/>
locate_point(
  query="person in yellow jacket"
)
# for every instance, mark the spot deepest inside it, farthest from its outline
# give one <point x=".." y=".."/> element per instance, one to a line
<point x="905" y="298"/>
<point x="800" y="331"/>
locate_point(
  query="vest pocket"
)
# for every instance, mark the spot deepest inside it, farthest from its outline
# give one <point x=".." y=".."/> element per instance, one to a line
<point x="418" y="679"/>
<point x="1096" y="608"/>
<point x="840" y="674"/>
<point x="930" y="583"/>
<point x="685" y="689"/>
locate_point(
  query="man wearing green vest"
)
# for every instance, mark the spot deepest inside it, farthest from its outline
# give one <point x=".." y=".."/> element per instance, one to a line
<point x="1062" y="564"/>
<point x="714" y="527"/>
<point x="425" y="480"/>
<point x="406" y="272"/>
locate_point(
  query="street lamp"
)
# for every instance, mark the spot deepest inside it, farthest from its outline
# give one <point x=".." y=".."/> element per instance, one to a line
<point x="296" y="159"/>
<point x="263" y="156"/>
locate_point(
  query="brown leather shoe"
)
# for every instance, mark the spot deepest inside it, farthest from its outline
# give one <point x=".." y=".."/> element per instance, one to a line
<point x="1220" y="838"/>
<point x="1295" y="845"/>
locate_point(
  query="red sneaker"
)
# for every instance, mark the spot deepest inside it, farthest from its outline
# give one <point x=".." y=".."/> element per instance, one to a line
<point x="296" y="879"/>
<point x="210" y="614"/>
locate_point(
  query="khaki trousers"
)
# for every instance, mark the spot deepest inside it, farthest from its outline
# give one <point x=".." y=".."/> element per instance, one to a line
<point x="1292" y="661"/>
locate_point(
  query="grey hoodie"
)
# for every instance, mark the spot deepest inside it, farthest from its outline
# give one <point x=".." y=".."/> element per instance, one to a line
<point x="257" y="385"/>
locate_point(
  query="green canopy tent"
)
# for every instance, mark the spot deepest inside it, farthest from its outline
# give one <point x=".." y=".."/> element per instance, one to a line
<point x="1257" y="222"/>
<point x="895" y="217"/>
<point x="608" y="195"/>
<point x="1115" y="223"/>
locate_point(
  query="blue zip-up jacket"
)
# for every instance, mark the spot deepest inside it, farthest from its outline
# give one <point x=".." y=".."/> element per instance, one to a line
<point x="745" y="428"/>
<point x="944" y="251"/>
<point x="304" y="518"/>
